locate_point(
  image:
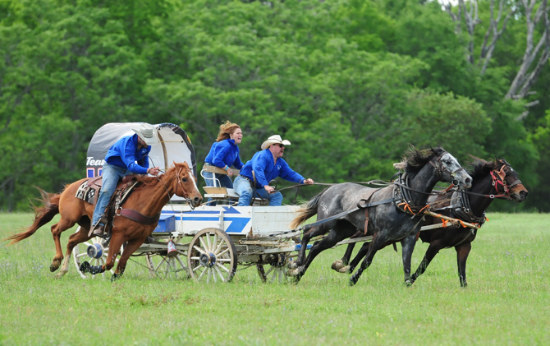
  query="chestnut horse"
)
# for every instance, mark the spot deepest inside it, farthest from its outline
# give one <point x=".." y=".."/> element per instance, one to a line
<point x="494" y="179"/>
<point x="146" y="200"/>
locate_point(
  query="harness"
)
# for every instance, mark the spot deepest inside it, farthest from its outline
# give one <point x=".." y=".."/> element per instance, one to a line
<point x="400" y="189"/>
<point x="460" y="202"/>
<point x="403" y="199"/>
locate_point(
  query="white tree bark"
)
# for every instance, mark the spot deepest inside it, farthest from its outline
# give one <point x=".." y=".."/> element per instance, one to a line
<point x="535" y="57"/>
<point x="536" y="54"/>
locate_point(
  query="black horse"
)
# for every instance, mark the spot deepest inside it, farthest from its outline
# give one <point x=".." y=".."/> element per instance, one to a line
<point x="496" y="179"/>
<point x="384" y="213"/>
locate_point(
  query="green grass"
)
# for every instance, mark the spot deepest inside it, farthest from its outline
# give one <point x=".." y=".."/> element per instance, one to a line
<point x="507" y="300"/>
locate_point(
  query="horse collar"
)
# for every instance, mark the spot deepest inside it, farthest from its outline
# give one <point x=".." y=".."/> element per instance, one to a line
<point x="460" y="206"/>
<point x="402" y="197"/>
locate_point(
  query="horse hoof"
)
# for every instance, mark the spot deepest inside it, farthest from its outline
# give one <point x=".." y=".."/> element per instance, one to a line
<point x="85" y="267"/>
<point x="292" y="265"/>
<point x="296" y="272"/>
<point x="344" y="270"/>
<point x="55" y="265"/>
<point x="337" y="265"/>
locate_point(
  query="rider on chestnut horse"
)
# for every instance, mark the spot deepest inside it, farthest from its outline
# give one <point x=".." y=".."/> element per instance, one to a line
<point x="129" y="155"/>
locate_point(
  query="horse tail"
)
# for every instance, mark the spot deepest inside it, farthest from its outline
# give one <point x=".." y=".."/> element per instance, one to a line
<point x="42" y="215"/>
<point x="308" y="211"/>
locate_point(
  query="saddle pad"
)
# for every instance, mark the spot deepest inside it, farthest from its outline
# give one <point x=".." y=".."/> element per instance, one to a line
<point x="87" y="193"/>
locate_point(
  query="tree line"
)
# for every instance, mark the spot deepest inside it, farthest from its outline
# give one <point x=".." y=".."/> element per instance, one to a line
<point x="351" y="83"/>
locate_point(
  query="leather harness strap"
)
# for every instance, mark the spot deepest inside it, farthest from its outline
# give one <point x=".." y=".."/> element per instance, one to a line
<point x="366" y="220"/>
<point x="361" y="205"/>
<point x="138" y="217"/>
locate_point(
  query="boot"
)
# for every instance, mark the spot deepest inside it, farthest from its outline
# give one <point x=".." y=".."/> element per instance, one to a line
<point x="98" y="230"/>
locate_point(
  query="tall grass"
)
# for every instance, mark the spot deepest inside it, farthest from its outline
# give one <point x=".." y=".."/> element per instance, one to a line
<point x="507" y="300"/>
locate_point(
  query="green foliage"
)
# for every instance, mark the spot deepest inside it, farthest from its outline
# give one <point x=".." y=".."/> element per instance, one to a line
<point x="458" y="124"/>
<point x="540" y="139"/>
<point x="364" y="23"/>
<point x="350" y="83"/>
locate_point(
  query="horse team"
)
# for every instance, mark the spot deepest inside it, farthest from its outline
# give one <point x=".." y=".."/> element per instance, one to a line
<point x="391" y="214"/>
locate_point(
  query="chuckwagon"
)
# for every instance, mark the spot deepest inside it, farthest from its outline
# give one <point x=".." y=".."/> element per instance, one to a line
<point x="208" y="241"/>
<point x="205" y="242"/>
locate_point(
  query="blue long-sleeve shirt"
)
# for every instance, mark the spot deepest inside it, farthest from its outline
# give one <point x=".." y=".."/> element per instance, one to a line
<point x="125" y="153"/>
<point x="266" y="170"/>
<point x="224" y="153"/>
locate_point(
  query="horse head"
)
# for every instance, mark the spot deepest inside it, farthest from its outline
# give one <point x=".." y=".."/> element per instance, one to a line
<point x="506" y="180"/>
<point x="450" y="169"/>
<point x="446" y="165"/>
<point x="185" y="184"/>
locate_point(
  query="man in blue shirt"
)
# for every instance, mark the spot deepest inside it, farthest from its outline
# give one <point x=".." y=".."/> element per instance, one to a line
<point x="265" y="166"/>
<point x="129" y="155"/>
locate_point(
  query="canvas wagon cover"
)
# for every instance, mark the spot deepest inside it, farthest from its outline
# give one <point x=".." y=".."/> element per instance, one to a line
<point x="173" y="145"/>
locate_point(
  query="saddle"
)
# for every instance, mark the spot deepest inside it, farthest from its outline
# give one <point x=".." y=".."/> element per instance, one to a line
<point x="88" y="191"/>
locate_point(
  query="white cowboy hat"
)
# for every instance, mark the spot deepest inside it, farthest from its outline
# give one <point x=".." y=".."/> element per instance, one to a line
<point x="275" y="139"/>
<point x="146" y="132"/>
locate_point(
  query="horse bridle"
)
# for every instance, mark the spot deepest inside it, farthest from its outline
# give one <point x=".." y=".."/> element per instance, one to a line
<point x="178" y="181"/>
<point x="440" y="170"/>
<point x="498" y="180"/>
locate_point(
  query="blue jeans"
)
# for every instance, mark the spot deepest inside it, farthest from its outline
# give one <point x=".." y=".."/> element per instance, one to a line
<point x="243" y="188"/>
<point x="210" y="179"/>
<point x="110" y="175"/>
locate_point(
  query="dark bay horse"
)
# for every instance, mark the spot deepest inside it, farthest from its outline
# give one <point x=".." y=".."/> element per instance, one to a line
<point x="491" y="180"/>
<point x="387" y="213"/>
<point x="146" y="200"/>
<point x="495" y="179"/>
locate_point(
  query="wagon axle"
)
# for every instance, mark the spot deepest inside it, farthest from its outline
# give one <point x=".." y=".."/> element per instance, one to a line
<point x="207" y="260"/>
<point x="95" y="250"/>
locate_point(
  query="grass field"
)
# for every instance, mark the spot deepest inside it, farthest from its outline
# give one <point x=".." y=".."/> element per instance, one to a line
<point x="507" y="300"/>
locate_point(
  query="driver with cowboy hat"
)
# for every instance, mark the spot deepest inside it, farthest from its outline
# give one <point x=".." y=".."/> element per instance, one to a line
<point x="266" y="165"/>
<point x="129" y="155"/>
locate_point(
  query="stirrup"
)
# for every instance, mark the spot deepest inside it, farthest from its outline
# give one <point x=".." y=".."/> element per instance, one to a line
<point x="98" y="230"/>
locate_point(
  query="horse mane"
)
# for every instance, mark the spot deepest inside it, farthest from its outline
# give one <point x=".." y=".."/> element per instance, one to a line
<point x="146" y="180"/>
<point x="415" y="159"/>
<point x="482" y="168"/>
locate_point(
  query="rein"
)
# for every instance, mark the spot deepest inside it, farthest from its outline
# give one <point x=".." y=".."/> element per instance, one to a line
<point x="498" y="183"/>
<point x="136" y="216"/>
<point x="166" y="188"/>
<point x="371" y="182"/>
<point x="498" y="180"/>
<point x="347" y="212"/>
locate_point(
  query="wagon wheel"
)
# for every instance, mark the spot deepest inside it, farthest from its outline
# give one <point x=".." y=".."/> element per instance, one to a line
<point x="212" y="256"/>
<point x="277" y="267"/>
<point x="167" y="265"/>
<point x="80" y="255"/>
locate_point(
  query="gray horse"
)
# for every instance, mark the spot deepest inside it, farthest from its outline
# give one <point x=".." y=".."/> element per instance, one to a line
<point x="388" y="214"/>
